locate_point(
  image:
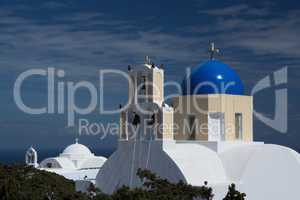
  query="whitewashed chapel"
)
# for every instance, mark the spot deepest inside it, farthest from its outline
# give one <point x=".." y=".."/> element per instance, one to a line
<point x="206" y="135"/>
<point x="76" y="162"/>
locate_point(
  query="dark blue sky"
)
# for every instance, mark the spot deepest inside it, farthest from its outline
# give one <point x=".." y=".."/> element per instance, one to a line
<point x="81" y="37"/>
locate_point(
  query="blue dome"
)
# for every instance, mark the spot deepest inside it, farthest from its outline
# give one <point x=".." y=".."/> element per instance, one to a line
<point x="212" y="77"/>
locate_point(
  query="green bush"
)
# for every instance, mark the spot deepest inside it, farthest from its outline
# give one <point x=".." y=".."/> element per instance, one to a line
<point x="19" y="182"/>
<point x="233" y="194"/>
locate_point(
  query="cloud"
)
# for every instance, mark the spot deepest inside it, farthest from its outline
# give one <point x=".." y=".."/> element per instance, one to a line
<point x="235" y="10"/>
<point x="264" y="32"/>
<point x="90" y="39"/>
<point x="95" y="40"/>
<point x="231" y="10"/>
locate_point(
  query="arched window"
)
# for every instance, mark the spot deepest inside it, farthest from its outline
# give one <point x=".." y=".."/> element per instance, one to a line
<point x="49" y="165"/>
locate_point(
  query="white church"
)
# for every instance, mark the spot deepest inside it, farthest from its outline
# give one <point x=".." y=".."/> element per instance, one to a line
<point x="217" y="145"/>
<point x="76" y="162"/>
<point x="206" y="135"/>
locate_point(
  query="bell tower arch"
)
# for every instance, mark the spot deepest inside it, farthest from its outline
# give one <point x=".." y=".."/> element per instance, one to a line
<point x="31" y="157"/>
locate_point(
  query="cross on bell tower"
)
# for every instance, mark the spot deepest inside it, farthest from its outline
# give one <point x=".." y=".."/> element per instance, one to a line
<point x="147" y="60"/>
<point x="212" y="50"/>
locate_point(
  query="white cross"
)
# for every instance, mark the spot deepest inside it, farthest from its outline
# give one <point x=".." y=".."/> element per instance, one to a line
<point x="212" y="50"/>
<point x="147" y="60"/>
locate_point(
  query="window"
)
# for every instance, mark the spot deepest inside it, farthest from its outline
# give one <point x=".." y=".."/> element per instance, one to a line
<point x="49" y="165"/>
<point x="216" y="126"/>
<point x="143" y="83"/>
<point x="239" y="126"/>
<point x="31" y="158"/>
<point x="192" y="127"/>
<point x="141" y="89"/>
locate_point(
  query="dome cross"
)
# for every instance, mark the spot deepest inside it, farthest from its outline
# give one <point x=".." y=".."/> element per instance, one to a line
<point x="212" y="50"/>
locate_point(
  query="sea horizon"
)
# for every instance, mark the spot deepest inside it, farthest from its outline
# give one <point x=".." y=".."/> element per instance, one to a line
<point x="17" y="156"/>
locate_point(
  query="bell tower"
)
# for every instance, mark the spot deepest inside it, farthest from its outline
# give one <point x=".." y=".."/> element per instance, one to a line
<point x="146" y="83"/>
<point x="31" y="158"/>
<point x="146" y="117"/>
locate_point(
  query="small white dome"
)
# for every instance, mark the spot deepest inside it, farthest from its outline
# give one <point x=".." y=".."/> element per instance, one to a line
<point x="77" y="149"/>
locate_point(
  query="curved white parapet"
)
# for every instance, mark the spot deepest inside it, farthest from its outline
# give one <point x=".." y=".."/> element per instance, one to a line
<point x="121" y="168"/>
<point x="197" y="163"/>
<point x="192" y="163"/>
<point x="264" y="171"/>
<point x="235" y="160"/>
<point x="57" y="163"/>
<point x="93" y="162"/>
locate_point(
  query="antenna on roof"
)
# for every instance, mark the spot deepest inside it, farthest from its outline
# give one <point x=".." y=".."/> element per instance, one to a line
<point x="212" y="50"/>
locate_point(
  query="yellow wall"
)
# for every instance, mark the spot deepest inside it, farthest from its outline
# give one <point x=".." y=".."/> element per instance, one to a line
<point x="182" y="108"/>
<point x="201" y="105"/>
<point x="158" y="89"/>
